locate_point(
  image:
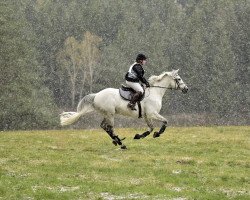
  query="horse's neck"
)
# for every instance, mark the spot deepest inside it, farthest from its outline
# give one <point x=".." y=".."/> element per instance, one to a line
<point x="159" y="92"/>
<point x="159" y="89"/>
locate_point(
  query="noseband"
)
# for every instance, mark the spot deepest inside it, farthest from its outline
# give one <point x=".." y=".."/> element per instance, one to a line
<point x="177" y="84"/>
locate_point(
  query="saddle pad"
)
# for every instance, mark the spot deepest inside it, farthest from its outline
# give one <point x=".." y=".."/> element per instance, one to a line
<point x="126" y="88"/>
<point x="126" y="94"/>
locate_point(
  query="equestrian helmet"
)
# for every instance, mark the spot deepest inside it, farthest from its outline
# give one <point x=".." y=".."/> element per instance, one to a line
<point x="140" y="57"/>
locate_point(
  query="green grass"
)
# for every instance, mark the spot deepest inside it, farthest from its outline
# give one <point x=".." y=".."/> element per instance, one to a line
<point x="184" y="163"/>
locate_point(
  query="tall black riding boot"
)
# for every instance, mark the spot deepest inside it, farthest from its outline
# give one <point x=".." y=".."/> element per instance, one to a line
<point x="136" y="97"/>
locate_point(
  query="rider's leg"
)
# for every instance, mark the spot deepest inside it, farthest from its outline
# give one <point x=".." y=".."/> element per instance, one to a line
<point x="137" y="95"/>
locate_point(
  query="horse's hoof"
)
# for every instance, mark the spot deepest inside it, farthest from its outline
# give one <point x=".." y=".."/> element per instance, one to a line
<point x="114" y="142"/>
<point x="123" y="147"/>
<point x="156" y="134"/>
<point x="137" y="137"/>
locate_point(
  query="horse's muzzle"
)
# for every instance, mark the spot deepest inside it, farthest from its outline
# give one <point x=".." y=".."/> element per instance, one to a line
<point x="185" y="90"/>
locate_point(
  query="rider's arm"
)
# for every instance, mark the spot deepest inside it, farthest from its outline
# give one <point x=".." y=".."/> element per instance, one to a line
<point x="140" y="72"/>
<point x="145" y="82"/>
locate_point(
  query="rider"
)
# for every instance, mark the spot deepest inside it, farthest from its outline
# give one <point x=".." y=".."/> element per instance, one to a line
<point x="133" y="78"/>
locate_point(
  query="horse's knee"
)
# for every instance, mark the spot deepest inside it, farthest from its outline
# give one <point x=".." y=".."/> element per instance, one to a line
<point x="150" y="129"/>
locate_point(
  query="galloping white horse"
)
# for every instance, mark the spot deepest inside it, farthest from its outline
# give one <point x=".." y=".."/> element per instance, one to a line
<point x="108" y="102"/>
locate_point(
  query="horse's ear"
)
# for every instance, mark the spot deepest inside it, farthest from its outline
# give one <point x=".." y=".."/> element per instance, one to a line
<point x="174" y="72"/>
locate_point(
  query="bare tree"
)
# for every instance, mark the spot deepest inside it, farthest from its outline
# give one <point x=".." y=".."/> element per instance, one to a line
<point x="79" y="60"/>
<point x="90" y="54"/>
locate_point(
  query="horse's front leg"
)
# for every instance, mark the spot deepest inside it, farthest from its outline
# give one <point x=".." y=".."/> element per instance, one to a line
<point x="150" y="129"/>
<point x="164" y="121"/>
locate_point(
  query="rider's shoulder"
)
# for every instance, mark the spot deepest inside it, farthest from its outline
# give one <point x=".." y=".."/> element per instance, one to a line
<point x="137" y="65"/>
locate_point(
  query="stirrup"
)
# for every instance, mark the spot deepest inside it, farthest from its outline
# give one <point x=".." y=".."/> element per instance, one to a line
<point x="131" y="106"/>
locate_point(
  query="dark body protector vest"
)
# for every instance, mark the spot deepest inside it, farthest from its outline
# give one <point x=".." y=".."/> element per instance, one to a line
<point x="135" y="74"/>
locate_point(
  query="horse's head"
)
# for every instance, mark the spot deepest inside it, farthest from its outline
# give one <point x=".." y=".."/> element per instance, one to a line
<point x="177" y="82"/>
<point x="170" y="80"/>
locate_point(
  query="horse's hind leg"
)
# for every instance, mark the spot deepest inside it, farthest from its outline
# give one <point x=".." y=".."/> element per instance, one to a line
<point x="145" y="134"/>
<point x="107" y="125"/>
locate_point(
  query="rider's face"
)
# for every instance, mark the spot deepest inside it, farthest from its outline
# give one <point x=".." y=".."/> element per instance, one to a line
<point x="144" y="62"/>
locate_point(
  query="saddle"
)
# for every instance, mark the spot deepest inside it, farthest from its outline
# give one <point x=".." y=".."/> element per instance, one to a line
<point x="126" y="93"/>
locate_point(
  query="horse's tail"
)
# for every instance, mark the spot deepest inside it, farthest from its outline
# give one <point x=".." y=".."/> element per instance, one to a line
<point x="85" y="106"/>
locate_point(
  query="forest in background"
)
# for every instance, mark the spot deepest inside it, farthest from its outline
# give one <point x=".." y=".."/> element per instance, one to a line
<point x="53" y="52"/>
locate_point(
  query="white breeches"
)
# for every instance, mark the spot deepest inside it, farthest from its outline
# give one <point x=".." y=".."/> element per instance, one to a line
<point x="135" y="86"/>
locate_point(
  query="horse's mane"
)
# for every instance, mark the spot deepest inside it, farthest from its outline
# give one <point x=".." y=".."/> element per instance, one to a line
<point x="154" y="78"/>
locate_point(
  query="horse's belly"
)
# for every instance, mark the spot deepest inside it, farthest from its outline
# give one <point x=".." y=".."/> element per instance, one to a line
<point x="122" y="109"/>
<point x="108" y="101"/>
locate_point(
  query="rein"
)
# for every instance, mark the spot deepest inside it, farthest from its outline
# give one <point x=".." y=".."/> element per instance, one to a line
<point x="177" y="86"/>
<point x="161" y="87"/>
<point x="156" y="86"/>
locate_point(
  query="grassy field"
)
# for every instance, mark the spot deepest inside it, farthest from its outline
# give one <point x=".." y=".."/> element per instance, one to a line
<point x="184" y="163"/>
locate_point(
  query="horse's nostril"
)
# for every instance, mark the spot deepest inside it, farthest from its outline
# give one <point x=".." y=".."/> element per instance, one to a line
<point x="185" y="90"/>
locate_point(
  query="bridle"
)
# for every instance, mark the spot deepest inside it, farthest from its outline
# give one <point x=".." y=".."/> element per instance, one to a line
<point x="177" y="85"/>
